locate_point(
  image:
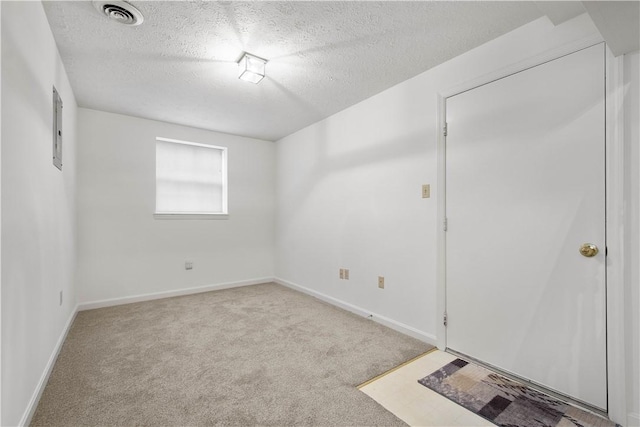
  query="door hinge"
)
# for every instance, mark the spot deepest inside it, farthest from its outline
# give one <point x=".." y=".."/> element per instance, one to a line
<point x="445" y="224"/>
<point x="444" y="319"/>
<point x="445" y="129"/>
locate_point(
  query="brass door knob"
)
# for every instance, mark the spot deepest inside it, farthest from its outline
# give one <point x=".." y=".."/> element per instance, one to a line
<point x="589" y="250"/>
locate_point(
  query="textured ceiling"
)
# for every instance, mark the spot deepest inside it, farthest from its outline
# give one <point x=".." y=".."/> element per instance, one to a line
<point x="179" y="65"/>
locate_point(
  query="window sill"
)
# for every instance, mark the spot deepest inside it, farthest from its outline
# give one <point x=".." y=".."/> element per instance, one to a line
<point x="190" y="216"/>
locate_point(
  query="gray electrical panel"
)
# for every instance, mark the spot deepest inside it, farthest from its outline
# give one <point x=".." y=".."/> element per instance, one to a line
<point x="57" y="129"/>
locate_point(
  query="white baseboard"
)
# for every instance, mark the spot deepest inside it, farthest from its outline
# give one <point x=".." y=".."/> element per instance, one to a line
<point x="390" y="323"/>
<point x="633" y="420"/>
<point x="37" y="393"/>
<point x="168" y="294"/>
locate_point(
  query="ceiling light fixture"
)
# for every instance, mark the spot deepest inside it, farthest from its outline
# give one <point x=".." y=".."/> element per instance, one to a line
<point x="251" y="68"/>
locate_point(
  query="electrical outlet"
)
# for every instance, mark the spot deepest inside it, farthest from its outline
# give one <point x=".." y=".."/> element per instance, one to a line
<point x="60" y="297"/>
<point x="346" y="274"/>
<point x="342" y="273"/>
<point x="426" y="191"/>
<point x="381" y="282"/>
<point x="188" y="265"/>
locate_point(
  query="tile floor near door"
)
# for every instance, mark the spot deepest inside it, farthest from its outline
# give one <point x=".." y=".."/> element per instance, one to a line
<point x="401" y="394"/>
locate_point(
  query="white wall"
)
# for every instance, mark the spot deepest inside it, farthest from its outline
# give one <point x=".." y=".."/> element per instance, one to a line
<point x="38" y="206"/>
<point x="348" y="192"/>
<point x="349" y="187"/>
<point x="0" y="221"/>
<point x="632" y="235"/>
<point x="123" y="251"/>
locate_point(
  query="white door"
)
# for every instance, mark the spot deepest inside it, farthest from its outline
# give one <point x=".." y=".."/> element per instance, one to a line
<point x="525" y="189"/>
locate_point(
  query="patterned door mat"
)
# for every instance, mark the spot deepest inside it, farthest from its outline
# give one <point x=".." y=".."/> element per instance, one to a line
<point x="503" y="401"/>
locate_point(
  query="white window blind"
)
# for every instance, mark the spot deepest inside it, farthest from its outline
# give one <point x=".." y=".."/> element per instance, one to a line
<point x="190" y="178"/>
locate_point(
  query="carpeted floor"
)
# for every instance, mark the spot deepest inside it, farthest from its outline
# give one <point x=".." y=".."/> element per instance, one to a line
<point x="260" y="354"/>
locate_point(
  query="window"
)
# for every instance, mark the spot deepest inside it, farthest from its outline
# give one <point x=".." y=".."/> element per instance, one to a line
<point x="191" y="180"/>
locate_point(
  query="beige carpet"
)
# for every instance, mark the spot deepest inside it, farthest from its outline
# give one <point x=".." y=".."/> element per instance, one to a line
<point x="256" y="355"/>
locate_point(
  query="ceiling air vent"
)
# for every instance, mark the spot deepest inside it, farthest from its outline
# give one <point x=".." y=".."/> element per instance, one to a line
<point x="119" y="11"/>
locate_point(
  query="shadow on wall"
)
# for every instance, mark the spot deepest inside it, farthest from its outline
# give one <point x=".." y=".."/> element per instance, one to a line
<point x="16" y="67"/>
<point x="385" y="151"/>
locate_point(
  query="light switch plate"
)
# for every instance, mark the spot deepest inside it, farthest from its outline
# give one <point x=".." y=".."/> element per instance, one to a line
<point x="426" y="191"/>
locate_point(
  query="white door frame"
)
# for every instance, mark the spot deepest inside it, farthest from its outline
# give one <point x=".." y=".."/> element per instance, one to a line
<point x="614" y="219"/>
